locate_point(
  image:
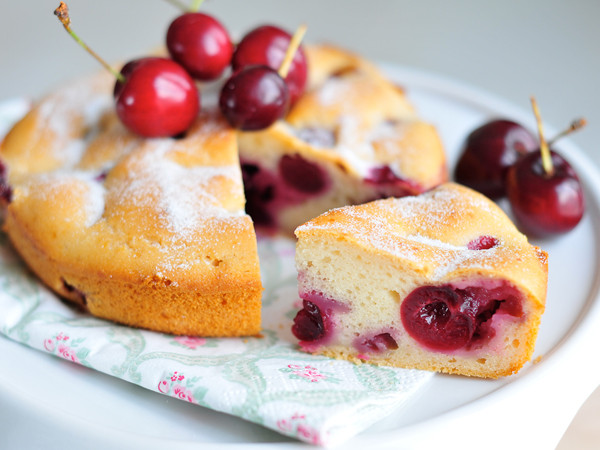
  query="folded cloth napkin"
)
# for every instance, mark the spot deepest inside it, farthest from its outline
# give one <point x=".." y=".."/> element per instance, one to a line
<point x="265" y="380"/>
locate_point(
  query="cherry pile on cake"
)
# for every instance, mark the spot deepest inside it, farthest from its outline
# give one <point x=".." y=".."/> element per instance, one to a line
<point x="442" y="281"/>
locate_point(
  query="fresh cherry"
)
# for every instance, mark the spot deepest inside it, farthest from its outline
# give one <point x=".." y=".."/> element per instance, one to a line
<point x="267" y="45"/>
<point x="544" y="191"/>
<point x="254" y="98"/>
<point x="157" y="99"/>
<point x="545" y="204"/>
<point x="200" y="44"/>
<point x="487" y="154"/>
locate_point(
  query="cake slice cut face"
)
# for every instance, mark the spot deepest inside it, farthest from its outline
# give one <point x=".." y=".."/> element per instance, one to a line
<point x="442" y="281"/>
<point x="351" y="138"/>
<point x="150" y="233"/>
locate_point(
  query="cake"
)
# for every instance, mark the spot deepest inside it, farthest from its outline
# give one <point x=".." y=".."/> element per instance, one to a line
<point x="156" y="232"/>
<point x="351" y="138"/>
<point x="150" y="233"/>
<point x="442" y="281"/>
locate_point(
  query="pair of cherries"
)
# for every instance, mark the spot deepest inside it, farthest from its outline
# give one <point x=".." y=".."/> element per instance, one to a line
<point x="158" y="97"/>
<point x="503" y="159"/>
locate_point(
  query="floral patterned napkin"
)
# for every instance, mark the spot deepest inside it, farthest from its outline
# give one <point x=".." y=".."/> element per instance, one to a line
<point x="264" y="380"/>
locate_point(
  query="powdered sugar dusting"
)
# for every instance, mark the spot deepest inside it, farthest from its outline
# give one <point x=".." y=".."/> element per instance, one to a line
<point x="183" y="193"/>
<point x="409" y="228"/>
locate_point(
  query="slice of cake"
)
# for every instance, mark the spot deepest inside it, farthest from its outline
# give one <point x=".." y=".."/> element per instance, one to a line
<point x="150" y="233"/>
<point x="442" y="281"/>
<point x="351" y="138"/>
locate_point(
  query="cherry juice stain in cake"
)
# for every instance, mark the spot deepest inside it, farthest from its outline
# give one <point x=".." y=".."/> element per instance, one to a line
<point x="267" y="192"/>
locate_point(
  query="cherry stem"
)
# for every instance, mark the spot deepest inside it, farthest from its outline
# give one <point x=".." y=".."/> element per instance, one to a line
<point x="284" y="68"/>
<point x="62" y="12"/>
<point x="546" y="157"/>
<point x="575" y="125"/>
<point x="196" y="5"/>
<point x="177" y="4"/>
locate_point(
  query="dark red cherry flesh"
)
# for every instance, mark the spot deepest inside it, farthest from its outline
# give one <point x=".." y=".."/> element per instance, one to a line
<point x="487" y="154"/>
<point x="308" y="323"/>
<point x="5" y="189"/>
<point x="254" y="98"/>
<point x="200" y="44"/>
<point x="545" y="204"/>
<point x="267" y="45"/>
<point x="157" y="99"/>
<point x="433" y="317"/>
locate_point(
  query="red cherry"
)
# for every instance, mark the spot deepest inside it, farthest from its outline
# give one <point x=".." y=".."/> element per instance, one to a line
<point x="487" y="154"/>
<point x="267" y="45"/>
<point x="254" y="98"/>
<point x="200" y="44"/>
<point x="5" y="189"/>
<point x="157" y="99"/>
<point x="544" y="203"/>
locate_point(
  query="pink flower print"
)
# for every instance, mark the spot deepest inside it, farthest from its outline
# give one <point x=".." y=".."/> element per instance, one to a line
<point x="163" y="387"/>
<point x="182" y="393"/>
<point x="49" y="345"/>
<point x="308" y="434"/>
<point x="308" y="372"/>
<point x="190" y="342"/>
<point x="62" y="337"/>
<point x="296" y="425"/>
<point x="176" y="377"/>
<point x="67" y="353"/>
<point x="285" y="426"/>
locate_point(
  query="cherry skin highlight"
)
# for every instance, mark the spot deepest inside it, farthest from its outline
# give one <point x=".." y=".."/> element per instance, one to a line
<point x="267" y="45"/>
<point x="254" y="98"/>
<point x="487" y="154"/>
<point x="545" y="204"/>
<point x="157" y="99"/>
<point x="200" y="44"/>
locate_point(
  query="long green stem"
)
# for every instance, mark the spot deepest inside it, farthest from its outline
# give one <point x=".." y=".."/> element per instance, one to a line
<point x="62" y="12"/>
<point x="179" y="5"/>
<point x="196" y="5"/>
<point x="575" y="125"/>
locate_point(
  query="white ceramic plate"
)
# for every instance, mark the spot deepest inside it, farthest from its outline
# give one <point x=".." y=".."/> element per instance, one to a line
<point x="50" y="403"/>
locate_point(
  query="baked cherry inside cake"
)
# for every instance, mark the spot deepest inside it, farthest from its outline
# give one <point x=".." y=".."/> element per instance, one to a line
<point x="442" y="281"/>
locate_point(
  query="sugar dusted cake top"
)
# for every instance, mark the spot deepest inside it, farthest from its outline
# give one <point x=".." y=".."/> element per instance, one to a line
<point x="441" y="233"/>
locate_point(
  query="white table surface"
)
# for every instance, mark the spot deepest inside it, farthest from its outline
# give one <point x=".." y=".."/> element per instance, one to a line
<point x="511" y="48"/>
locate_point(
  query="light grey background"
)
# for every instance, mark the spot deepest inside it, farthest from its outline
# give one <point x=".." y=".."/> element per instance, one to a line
<point x="512" y="48"/>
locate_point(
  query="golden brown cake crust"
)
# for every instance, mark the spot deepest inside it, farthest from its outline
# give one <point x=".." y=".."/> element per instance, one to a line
<point x="147" y="232"/>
